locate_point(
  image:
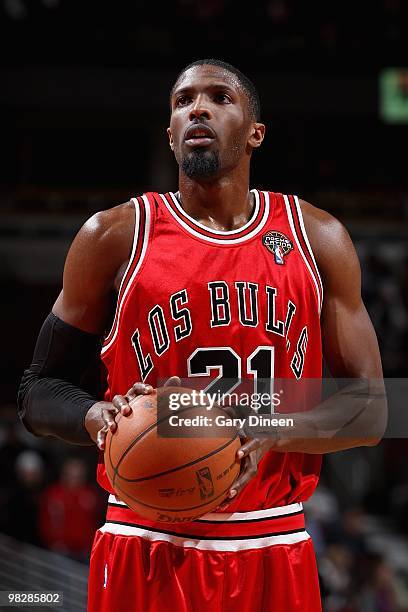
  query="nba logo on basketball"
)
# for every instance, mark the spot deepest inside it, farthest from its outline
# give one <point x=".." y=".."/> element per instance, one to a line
<point x="205" y="482"/>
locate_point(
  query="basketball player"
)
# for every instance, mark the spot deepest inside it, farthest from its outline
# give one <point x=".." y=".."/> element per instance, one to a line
<point x="213" y="278"/>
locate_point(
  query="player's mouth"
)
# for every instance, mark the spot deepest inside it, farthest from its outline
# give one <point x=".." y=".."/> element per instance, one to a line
<point x="199" y="135"/>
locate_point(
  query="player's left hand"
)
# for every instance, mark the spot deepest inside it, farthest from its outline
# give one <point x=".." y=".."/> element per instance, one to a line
<point x="250" y="454"/>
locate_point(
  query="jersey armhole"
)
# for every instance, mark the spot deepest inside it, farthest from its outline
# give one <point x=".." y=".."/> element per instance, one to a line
<point x="137" y="256"/>
<point x="297" y="226"/>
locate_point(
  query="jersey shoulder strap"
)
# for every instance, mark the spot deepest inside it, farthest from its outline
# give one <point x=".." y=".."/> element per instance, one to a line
<point x="144" y="221"/>
<point x="297" y="226"/>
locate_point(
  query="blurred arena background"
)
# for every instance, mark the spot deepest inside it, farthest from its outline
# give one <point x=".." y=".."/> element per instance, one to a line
<point x="83" y="111"/>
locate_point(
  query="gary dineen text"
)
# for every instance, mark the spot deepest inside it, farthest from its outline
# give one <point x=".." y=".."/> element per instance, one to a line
<point x="253" y="420"/>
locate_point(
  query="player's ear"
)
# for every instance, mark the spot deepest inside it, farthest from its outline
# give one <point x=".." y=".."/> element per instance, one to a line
<point x="256" y="135"/>
<point x="170" y="139"/>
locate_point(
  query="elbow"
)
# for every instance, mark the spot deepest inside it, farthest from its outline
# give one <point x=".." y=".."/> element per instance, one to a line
<point x="23" y="394"/>
<point x="378" y="425"/>
<point x="370" y="428"/>
<point x="373" y="441"/>
<point x="21" y="398"/>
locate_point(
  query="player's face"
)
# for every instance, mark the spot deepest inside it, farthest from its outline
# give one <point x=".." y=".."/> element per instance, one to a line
<point x="211" y="129"/>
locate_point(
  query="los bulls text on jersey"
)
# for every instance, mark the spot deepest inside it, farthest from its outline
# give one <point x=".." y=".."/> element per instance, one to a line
<point x="241" y="304"/>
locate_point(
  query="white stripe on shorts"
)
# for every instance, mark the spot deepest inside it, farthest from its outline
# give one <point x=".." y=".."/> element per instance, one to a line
<point x="218" y="545"/>
<point x="235" y="516"/>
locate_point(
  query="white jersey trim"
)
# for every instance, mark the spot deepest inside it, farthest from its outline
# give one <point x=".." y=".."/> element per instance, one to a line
<point x="312" y="274"/>
<point x="215" y="240"/>
<point x="183" y="213"/>
<point x="216" y="544"/>
<point x="309" y="248"/>
<point x="235" y="516"/>
<point x="119" y="305"/>
<point x="112" y="499"/>
<point x="254" y="514"/>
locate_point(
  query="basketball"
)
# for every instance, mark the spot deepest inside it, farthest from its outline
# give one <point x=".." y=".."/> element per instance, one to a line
<point x="170" y="479"/>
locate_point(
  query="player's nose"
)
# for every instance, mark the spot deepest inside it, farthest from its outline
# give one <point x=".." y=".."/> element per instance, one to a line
<point x="200" y="110"/>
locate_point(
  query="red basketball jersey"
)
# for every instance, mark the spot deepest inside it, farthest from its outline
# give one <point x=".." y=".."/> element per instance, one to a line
<point x="244" y="303"/>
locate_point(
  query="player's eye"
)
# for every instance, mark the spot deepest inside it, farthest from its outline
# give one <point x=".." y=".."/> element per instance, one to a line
<point x="182" y="100"/>
<point x="222" y="98"/>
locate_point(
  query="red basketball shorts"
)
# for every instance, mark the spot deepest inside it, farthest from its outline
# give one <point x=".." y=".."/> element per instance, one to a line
<point x="248" y="561"/>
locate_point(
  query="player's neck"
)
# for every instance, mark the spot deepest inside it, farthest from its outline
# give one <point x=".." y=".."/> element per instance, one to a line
<point x="222" y="205"/>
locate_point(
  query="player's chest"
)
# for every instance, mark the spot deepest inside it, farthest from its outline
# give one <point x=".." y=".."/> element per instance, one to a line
<point x="242" y="287"/>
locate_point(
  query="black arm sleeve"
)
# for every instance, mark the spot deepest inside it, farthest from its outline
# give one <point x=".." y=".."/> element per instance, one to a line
<point x="50" y="400"/>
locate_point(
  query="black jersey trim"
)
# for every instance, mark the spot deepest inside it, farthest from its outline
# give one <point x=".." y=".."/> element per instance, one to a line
<point x="203" y="537"/>
<point x="233" y="522"/>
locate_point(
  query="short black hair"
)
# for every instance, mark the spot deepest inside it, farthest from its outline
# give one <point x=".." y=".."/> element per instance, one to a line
<point x="246" y="83"/>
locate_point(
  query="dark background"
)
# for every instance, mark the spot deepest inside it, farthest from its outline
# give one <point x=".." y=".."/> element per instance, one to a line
<point x="83" y="111"/>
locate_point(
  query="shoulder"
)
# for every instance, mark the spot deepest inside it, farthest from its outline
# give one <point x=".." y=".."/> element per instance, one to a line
<point x="329" y="240"/>
<point x="106" y="238"/>
<point x="98" y="254"/>
<point x="102" y="246"/>
<point x="111" y="226"/>
<point x="322" y="228"/>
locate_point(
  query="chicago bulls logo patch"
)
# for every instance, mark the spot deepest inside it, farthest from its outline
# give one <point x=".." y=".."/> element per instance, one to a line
<point x="278" y="244"/>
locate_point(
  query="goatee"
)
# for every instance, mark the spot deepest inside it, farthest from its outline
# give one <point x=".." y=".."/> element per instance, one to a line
<point x="201" y="164"/>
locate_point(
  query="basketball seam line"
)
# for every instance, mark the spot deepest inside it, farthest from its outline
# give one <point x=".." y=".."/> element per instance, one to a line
<point x="208" y="501"/>
<point x="145" y="432"/>
<point x="180" y="467"/>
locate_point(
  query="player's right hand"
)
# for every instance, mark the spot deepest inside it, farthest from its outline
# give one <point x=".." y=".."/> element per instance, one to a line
<point x="100" y="418"/>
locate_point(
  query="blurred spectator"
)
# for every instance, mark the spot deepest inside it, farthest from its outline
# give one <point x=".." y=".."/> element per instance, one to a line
<point x="350" y="531"/>
<point x="22" y="504"/>
<point x="384" y="284"/>
<point x="322" y="511"/>
<point x="69" y="512"/>
<point x="381" y="591"/>
<point x="10" y="448"/>
<point x="399" y="504"/>
<point x="335" y="575"/>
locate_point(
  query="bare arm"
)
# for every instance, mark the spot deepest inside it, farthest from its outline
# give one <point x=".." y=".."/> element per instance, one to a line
<point x="349" y="341"/>
<point x="92" y="269"/>
<point x="356" y="415"/>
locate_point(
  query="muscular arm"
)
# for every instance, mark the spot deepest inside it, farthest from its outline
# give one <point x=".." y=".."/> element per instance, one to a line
<point x="356" y="415"/>
<point x="50" y="399"/>
<point x="92" y="269"/>
<point x="350" y="344"/>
